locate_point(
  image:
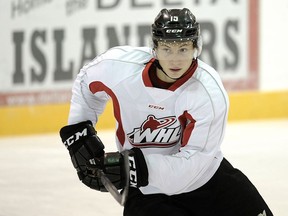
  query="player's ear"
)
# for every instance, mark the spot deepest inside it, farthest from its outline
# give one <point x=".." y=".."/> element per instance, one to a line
<point x="195" y="53"/>
<point x="154" y="53"/>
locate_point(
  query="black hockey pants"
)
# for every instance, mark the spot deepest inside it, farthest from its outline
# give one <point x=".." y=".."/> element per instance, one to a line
<point x="229" y="192"/>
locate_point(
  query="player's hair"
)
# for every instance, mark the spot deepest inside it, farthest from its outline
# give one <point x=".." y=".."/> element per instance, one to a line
<point x="176" y="25"/>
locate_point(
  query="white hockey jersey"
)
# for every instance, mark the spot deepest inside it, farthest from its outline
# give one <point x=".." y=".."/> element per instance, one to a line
<point x="179" y="129"/>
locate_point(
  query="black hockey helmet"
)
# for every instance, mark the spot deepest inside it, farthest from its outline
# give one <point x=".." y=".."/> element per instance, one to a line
<point x="176" y="25"/>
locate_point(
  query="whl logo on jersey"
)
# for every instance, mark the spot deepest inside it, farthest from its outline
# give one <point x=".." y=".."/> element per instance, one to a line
<point x="156" y="133"/>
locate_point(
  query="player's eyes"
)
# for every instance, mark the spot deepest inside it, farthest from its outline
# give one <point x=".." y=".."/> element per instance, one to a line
<point x="166" y="50"/>
<point x="183" y="50"/>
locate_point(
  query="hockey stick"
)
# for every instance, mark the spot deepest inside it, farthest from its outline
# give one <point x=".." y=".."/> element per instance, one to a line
<point x="120" y="197"/>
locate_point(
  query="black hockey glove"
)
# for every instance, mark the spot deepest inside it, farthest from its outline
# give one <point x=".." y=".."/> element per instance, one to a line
<point x="83" y="144"/>
<point x="138" y="173"/>
<point x="112" y="164"/>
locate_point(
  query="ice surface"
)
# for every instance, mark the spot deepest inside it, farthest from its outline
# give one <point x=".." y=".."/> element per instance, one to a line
<point x="37" y="177"/>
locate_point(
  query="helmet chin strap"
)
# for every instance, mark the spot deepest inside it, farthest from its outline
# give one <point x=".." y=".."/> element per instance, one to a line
<point x="168" y="75"/>
<point x="160" y="67"/>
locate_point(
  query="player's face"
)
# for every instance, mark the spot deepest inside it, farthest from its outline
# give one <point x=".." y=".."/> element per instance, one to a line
<point x="175" y="59"/>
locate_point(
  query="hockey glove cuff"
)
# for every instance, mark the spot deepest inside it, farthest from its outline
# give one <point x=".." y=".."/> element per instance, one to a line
<point x="138" y="173"/>
<point x="114" y="167"/>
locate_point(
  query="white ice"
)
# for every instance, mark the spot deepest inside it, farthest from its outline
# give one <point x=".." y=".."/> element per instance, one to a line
<point x="37" y="177"/>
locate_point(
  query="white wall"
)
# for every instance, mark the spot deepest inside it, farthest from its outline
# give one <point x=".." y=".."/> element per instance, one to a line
<point x="273" y="45"/>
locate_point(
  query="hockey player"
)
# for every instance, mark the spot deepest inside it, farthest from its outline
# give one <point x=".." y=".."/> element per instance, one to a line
<point x="171" y="112"/>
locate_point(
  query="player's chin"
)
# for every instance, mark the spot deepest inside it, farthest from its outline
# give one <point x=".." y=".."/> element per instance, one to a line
<point x="175" y="75"/>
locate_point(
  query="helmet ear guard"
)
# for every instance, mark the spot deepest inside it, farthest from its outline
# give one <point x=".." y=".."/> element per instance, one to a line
<point x="198" y="48"/>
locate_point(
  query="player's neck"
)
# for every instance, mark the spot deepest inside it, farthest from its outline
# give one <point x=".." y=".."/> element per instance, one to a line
<point x="156" y="81"/>
<point x="163" y="76"/>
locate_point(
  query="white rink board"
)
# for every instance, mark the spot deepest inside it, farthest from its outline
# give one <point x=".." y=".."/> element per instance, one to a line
<point x="37" y="177"/>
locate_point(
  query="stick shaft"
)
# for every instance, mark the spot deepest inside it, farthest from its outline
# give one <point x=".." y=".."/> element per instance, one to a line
<point x="110" y="187"/>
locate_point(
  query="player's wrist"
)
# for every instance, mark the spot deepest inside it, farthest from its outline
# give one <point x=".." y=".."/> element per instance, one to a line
<point x="82" y="134"/>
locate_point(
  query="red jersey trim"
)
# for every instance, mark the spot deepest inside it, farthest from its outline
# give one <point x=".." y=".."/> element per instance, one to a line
<point x="187" y="129"/>
<point x="145" y="74"/>
<point x="153" y="145"/>
<point x="98" y="87"/>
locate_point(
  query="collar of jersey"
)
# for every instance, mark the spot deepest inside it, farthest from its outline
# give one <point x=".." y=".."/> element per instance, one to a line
<point x="177" y="83"/>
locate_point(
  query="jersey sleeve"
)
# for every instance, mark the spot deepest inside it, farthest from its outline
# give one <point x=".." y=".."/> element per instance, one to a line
<point x="84" y="104"/>
<point x="200" y="155"/>
<point x="107" y="69"/>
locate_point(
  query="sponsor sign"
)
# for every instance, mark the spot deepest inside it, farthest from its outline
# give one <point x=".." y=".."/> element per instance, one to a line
<point x="44" y="43"/>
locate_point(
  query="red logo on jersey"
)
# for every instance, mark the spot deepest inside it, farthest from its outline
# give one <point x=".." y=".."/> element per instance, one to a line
<point x="154" y="132"/>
